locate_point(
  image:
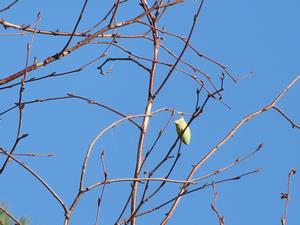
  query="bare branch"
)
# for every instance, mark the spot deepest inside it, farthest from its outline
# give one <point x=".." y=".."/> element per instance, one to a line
<point x="79" y="44"/>
<point x="224" y="140"/>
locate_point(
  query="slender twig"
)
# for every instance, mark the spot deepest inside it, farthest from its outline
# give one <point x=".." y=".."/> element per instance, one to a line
<point x="114" y="12"/>
<point x="73" y="96"/>
<point x="93" y="102"/>
<point x="104" y="18"/>
<point x="21" y="91"/>
<point x="286" y="197"/>
<point x="140" y="180"/>
<point x="214" y="205"/>
<point x="159" y="135"/>
<point x="100" y="199"/>
<point x="234" y="163"/>
<point x="121" y="59"/>
<point x="41" y="100"/>
<point x="9" y="6"/>
<point x="294" y="125"/>
<point x="32" y="154"/>
<point x="27" y="28"/>
<point x="75" y="27"/>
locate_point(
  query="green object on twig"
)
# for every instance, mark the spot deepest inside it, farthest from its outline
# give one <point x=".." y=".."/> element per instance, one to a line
<point x="181" y="126"/>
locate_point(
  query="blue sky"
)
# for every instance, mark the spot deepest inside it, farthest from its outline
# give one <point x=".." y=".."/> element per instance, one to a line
<point x="260" y="38"/>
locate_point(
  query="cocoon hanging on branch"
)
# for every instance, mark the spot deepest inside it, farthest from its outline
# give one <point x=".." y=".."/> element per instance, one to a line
<point x="181" y="126"/>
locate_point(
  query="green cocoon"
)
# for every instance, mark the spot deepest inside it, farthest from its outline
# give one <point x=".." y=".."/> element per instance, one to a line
<point x="180" y="126"/>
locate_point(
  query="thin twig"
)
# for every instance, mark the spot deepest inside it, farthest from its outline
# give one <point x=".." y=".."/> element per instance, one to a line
<point x="214" y="205"/>
<point x="100" y="199"/>
<point x="32" y="154"/>
<point x="139" y="180"/>
<point x="75" y="27"/>
<point x="27" y="28"/>
<point x="72" y="96"/>
<point x="9" y="6"/>
<point x="21" y="92"/>
<point x="294" y="125"/>
<point x="234" y="163"/>
<point x="286" y="197"/>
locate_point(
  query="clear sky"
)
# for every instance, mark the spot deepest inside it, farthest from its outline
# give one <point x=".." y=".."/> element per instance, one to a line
<point x="258" y="41"/>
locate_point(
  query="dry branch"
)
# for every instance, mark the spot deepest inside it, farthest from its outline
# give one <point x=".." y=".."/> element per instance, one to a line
<point x="224" y="140"/>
